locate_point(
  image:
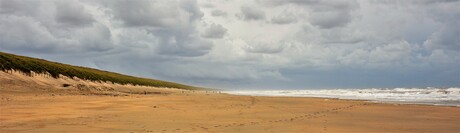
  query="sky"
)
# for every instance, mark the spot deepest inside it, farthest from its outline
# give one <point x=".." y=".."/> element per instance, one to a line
<point x="246" y="44"/>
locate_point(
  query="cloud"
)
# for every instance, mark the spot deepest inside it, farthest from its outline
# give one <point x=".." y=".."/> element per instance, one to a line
<point x="183" y="46"/>
<point x="284" y="18"/>
<point x="391" y="54"/>
<point x="25" y="34"/>
<point x="43" y="30"/>
<point x="214" y="31"/>
<point x="71" y="13"/>
<point x="330" y="19"/>
<point x="19" y="7"/>
<point x="265" y="48"/>
<point x="324" y="14"/>
<point x="445" y="38"/>
<point x="96" y="38"/>
<point x="251" y="13"/>
<point x="218" y="13"/>
<point x="245" y="44"/>
<point x="173" y="24"/>
<point x="332" y="14"/>
<point x="447" y="15"/>
<point x="154" y="13"/>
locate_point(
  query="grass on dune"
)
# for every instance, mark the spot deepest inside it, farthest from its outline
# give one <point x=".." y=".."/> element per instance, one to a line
<point x="28" y="65"/>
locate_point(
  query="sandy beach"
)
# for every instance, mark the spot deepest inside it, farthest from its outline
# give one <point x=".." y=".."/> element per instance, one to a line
<point x="172" y="110"/>
<point x="216" y="113"/>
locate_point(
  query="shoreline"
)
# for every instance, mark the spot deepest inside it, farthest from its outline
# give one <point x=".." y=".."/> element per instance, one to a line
<point x="364" y="100"/>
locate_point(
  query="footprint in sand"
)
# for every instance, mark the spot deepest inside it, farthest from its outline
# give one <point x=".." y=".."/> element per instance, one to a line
<point x="325" y="125"/>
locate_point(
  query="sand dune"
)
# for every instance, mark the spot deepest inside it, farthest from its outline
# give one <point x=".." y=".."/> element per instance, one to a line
<point x="40" y="104"/>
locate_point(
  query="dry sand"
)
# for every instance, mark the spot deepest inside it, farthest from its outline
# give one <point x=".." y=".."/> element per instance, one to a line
<point x="40" y="104"/>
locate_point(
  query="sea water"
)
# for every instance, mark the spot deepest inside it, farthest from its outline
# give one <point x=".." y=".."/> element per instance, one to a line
<point x="430" y="95"/>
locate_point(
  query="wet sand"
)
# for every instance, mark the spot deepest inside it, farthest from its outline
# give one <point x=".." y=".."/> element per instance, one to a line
<point x="171" y="110"/>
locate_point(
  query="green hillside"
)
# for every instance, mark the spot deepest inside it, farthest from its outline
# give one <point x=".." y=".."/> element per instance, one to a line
<point x="27" y="65"/>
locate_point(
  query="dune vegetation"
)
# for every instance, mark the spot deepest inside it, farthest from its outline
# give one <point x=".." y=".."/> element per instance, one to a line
<point x="29" y="66"/>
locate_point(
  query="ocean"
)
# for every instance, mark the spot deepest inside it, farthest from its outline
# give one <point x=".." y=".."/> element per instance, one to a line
<point x="430" y="95"/>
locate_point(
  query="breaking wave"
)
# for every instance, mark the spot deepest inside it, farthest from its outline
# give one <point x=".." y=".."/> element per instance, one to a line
<point x="430" y="95"/>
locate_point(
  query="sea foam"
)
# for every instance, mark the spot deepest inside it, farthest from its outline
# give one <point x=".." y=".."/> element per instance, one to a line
<point x="430" y="95"/>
